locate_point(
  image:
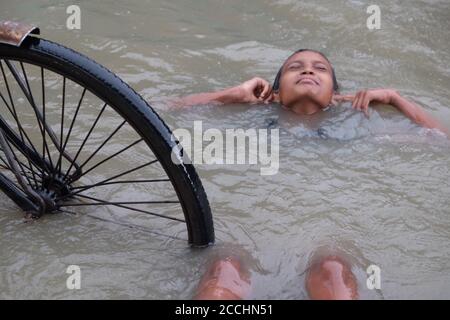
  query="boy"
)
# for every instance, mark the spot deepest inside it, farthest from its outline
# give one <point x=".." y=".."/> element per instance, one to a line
<point x="306" y="84"/>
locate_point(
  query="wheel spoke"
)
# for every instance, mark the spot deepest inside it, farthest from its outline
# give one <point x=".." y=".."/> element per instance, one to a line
<point x="84" y="141"/>
<point x="109" y="179"/>
<point x="31" y="154"/>
<point x="101" y="146"/>
<point x="28" y="94"/>
<point x="111" y="156"/>
<point x="20" y="165"/>
<point x="121" y="205"/>
<point x="67" y="211"/>
<point x="42" y="125"/>
<point x="70" y="130"/>
<point x="122" y="182"/>
<point x="12" y="109"/>
<point x="105" y="203"/>
<point x="13" y="112"/>
<point x="62" y="122"/>
<point x="131" y="226"/>
<point x="44" y="135"/>
<point x="29" y="169"/>
<point x="6" y="166"/>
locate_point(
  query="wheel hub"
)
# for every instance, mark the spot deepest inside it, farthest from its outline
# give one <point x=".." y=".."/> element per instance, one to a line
<point x="53" y="187"/>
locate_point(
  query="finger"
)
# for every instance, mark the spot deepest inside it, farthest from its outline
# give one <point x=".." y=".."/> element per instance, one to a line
<point x="359" y="105"/>
<point x="366" y="99"/>
<point x="257" y="90"/>
<point x="356" y="100"/>
<point x="365" y="109"/>
<point x="361" y="100"/>
<point x="269" y="98"/>
<point x="365" y="104"/>
<point x="266" y="90"/>
<point x="340" y="98"/>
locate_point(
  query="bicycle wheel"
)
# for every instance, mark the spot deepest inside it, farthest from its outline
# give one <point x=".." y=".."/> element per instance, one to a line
<point x="82" y="138"/>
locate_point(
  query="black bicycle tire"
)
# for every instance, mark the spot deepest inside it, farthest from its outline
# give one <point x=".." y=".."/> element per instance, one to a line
<point x="138" y="113"/>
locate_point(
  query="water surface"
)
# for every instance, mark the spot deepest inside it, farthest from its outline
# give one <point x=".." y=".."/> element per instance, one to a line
<point x="375" y="189"/>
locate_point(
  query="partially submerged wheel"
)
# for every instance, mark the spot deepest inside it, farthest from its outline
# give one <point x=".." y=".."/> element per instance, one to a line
<point x="81" y="138"/>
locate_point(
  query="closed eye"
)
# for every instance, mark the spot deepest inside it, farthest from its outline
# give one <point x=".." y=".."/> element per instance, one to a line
<point x="294" y="66"/>
<point x="322" y="68"/>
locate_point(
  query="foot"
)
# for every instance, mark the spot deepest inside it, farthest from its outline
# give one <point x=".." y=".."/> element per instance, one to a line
<point x="331" y="279"/>
<point x="224" y="280"/>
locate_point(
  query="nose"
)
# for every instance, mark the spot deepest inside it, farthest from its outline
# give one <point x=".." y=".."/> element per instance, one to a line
<point x="307" y="70"/>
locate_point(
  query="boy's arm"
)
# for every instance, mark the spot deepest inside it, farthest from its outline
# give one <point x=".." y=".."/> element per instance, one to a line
<point x="416" y="113"/>
<point x="362" y="99"/>
<point x="252" y="91"/>
<point x="231" y="95"/>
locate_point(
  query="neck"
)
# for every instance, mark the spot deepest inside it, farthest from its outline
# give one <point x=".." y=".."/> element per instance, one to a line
<point x="306" y="108"/>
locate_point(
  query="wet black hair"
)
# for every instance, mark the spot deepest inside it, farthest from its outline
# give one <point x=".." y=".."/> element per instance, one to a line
<point x="276" y="83"/>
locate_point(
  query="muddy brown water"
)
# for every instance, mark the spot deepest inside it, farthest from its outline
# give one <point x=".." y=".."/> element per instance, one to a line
<point x="376" y="190"/>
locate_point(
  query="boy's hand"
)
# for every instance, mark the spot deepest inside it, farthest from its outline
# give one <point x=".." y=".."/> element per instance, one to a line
<point x="256" y="90"/>
<point x="363" y="98"/>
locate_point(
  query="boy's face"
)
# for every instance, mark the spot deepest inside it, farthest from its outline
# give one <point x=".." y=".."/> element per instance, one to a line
<point x="306" y="77"/>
